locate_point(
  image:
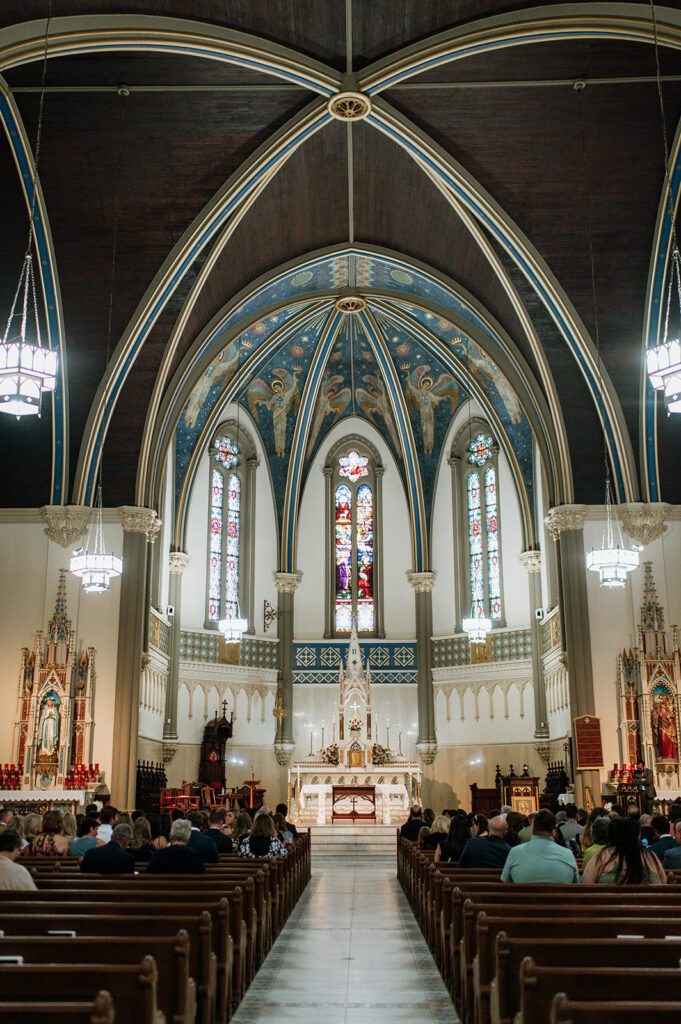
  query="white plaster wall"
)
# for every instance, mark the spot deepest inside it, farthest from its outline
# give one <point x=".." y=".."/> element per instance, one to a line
<point x="491" y="724"/>
<point x="29" y="568"/>
<point x="442" y="550"/>
<point x="398" y="598"/>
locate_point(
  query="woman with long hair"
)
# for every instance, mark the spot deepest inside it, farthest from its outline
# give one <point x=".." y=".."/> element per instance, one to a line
<point x="459" y="834"/>
<point x="515" y="823"/>
<point x="242" y="826"/>
<point x="262" y="841"/>
<point x="158" y="837"/>
<point x="51" y="841"/>
<point x="69" y="826"/>
<point x="479" y="826"/>
<point x="586" y="839"/>
<point x="624" y="861"/>
<point x="141" y="846"/>
<point x="439" y="831"/>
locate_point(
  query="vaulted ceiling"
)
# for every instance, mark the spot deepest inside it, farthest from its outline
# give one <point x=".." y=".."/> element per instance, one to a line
<point x="479" y="162"/>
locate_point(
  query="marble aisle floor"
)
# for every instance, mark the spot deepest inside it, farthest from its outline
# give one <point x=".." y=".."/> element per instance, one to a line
<point x="351" y="953"/>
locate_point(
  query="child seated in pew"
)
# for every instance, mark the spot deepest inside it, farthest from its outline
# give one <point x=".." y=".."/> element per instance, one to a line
<point x="624" y="861"/>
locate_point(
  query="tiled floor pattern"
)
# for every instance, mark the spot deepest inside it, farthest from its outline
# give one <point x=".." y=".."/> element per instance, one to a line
<point x="351" y="953"/>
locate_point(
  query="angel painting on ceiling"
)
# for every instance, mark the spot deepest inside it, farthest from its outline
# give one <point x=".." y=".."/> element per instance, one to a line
<point x="487" y="371"/>
<point x="222" y="368"/>
<point x="372" y="400"/>
<point x="332" y="400"/>
<point x="279" y="397"/>
<point x="424" y="394"/>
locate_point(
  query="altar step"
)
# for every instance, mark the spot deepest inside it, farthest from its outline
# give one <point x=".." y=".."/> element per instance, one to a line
<point x="366" y="840"/>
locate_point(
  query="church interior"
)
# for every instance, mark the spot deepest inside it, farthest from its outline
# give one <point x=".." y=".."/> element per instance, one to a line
<point x="340" y="387"/>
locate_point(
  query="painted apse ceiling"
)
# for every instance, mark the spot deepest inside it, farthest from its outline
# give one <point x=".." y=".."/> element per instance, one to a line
<point x="354" y="380"/>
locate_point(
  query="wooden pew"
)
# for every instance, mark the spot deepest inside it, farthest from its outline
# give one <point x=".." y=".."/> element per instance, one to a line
<point x="538" y="986"/>
<point x="100" y="1010"/>
<point x="569" y="953"/>
<point x="133" y="987"/>
<point x="565" y="1011"/>
<point x="203" y="961"/>
<point x="176" y="989"/>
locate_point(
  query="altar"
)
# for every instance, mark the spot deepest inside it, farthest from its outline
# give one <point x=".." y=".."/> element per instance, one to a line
<point x="311" y="784"/>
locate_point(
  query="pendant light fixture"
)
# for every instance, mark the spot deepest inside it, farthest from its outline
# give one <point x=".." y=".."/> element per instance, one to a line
<point x="26" y="367"/>
<point x="478" y="625"/>
<point x="664" y="360"/>
<point x="92" y="564"/>
<point x="612" y="561"/>
<point x="234" y="626"/>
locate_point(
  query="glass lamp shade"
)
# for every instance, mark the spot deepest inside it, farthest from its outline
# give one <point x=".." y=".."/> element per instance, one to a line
<point x="233" y="629"/>
<point x="25" y="372"/>
<point x="664" y="370"/>
<point x="612" y="564"/>
<point x="477" y="629"/>
<point x="95" y="569"/>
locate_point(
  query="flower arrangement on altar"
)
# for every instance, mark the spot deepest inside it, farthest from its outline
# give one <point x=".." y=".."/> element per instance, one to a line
<point x="330" y="755"/>
<point x="380" y="755"/>
<point x="355" y="723"/>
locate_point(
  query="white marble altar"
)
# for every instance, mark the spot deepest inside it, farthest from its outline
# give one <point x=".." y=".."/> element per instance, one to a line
<point x="311" y="784"/>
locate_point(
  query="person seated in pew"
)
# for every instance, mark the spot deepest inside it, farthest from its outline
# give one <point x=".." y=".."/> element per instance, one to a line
<point x="624" y="861"/>
<point x="283" y="809"/>
<point x="199" y="841"/>
<point x="459" y="834"/>
<point x="586" y="839"/>
<point x="663" y="841"/>
<point x="428" y="816"/>
<point x="525" y="833"/>
<point x="439" y="831"/>
<point x="87" y="838"/>
<point x="515" y="823"/>
<point x="229" y="821"/>
<point x="413" y="825"/>
<point x="672" y="858"/>
<point x="179" y="858"/>
<point x="6" y="815"/>
<point x="215" y="831"/>
<point x="542" y="859"/>
<point x="283" y="833"/>
<point x="13" y="877"/>
<point x="489" y="851"/>
<point x="600" y="836"/>
<point x="571" y="829"/>
<point x="262" y="841"/>
<point x="112" y="858"/>
<point x="51" y="841"/>
<point x="242" y="826"/>
<point x="423" y="835"/>
<point x="109" y="820"/>
<point x="141" y="846"/>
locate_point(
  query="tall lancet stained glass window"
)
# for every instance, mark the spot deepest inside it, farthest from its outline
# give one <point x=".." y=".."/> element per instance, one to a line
<point x="482" y="507"/>
<point x="365" y="558"/>
<point x="354" y="543"/>
<point x="225" y="532"/>
<point x="343" y="540"/>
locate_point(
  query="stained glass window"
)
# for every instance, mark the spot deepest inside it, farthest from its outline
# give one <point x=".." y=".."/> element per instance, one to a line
<point x="215" y="567"/>
<point x="226" y="452"/>
<point x="365" y="558"/>
<point x="232" y="546"/>
<point x="353" y="466"/>
<point x="343" y="545"/>
<point x="492" y="528"/>
<point x="475" y="543"/>
<point x="480" y="450"/>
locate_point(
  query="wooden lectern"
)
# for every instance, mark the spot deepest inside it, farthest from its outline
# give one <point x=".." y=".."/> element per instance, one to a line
<point x="250" y="797"/>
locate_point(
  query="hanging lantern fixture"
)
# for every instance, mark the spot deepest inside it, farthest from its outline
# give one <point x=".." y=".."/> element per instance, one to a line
<point x="95" y="567"/>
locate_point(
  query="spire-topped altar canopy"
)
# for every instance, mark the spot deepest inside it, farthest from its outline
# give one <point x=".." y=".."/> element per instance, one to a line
<point x="354" y="710"/>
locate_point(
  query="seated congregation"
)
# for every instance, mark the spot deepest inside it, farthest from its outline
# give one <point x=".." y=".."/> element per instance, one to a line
<point x="141" y="918"/>
<point x="516" y="943"/>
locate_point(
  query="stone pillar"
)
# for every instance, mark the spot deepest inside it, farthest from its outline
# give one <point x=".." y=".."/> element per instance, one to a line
<point x="140" y="526"/>
<point x="531" y="562"/>
<point x="461" y="571"/>
<point x="286" y="583"/>
<point x="422" y="584"/>
<point x="178" y="562"/>
<point x="566" y="524"/>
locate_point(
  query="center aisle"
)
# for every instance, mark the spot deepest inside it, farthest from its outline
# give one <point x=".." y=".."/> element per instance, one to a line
<point x="351" y="953"/>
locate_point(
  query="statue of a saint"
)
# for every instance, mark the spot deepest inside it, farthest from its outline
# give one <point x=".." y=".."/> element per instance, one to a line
<point x="663" y="721"/>
<point x="48" y="729"/>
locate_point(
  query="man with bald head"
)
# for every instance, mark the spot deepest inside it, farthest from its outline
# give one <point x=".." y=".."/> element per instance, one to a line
<point x="488" y="851"/>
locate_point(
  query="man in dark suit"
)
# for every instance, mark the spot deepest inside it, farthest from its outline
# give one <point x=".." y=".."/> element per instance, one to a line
<point x="413" y="824"/>
<point x="112" y="858"/>
<point x="199" y="841"/>
<point x="215" y="823"/>
<point x="663" y="840"/>
<point x="178" y="858"/>
<point x="283" y="809"/>
<point x="487" y="851"/>
<point x="645" y="784"/>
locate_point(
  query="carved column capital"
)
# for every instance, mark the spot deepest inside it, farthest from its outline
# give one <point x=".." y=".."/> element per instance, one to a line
<point x="565" y="517"/>
<point x="283" y="750"/>
<point x="65" y="523"/>
<point x="178" y="562"/>
<point x="427" y="750"/>
<point x="644" y="522"/>
<point x="530" y="561"/>
<point x="422" y="582"/>
<point x="287" y="582"/>
<point x="140" y="520"/>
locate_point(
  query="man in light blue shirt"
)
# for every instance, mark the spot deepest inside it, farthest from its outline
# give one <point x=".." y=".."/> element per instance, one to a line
<point x="672" y="858"/>
<point x="542" y="859"/>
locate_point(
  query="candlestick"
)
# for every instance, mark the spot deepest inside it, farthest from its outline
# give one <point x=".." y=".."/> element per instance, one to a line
<point x="387" y="733"/>
<point x="311" y="751"/>
<point x="333" y="726"/>
<point x="322" y="735"/>
<point x="399" y="740"/>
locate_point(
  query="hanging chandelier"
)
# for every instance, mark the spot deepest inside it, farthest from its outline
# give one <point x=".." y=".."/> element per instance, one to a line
<point x="233" y="628"/>
<point x="477" y="628"/>
<point x="94" y="566"/>
<point x="612" y="561"/>
<point x="664" y="361"/>
<point x="26" y="368"/>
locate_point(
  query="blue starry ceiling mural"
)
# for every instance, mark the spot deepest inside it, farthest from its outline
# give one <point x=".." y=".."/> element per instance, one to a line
<point x="431" y="357"/>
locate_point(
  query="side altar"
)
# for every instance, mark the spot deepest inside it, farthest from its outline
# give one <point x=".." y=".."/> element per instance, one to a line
<point x="354" y="778"/>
